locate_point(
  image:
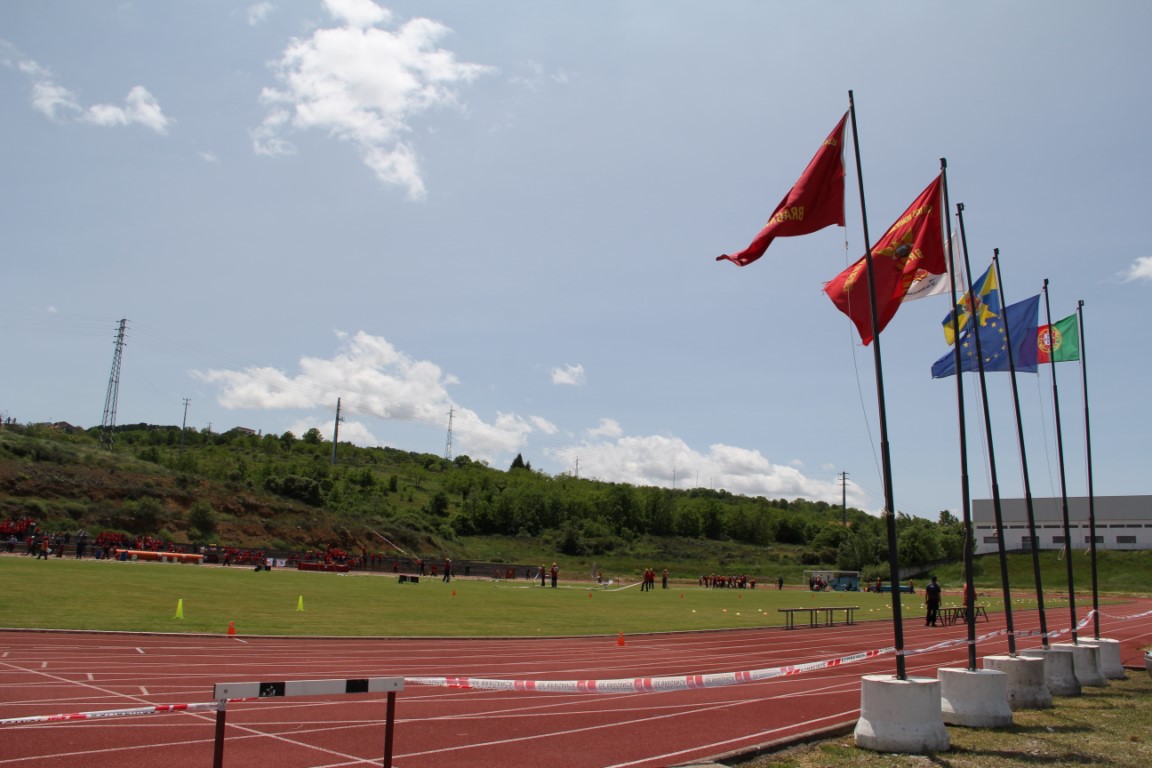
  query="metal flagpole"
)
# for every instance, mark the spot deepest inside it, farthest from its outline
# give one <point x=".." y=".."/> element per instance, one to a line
<point x="997" y="511"/>
<point x="1031" y="512"/>
<point x="965" y="493"/>
<point x="885" y="453"/>
<point x="1088" y="451"/>
<point x="1063" y="482"/>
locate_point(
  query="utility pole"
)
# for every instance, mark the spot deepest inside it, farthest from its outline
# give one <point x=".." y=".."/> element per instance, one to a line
<point x="448" y="443"/>
<point x="577" y="467"/>
<point x="111" y="399"/>
<point x="844" y="499"/>
<point x="336" y="431"/>
<point x="184" y="424"/>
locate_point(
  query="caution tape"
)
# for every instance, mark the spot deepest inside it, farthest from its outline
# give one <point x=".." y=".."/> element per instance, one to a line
<point x="618" y="685"/>
<point x="645" y="684"/>
<point x="107" y="713"/>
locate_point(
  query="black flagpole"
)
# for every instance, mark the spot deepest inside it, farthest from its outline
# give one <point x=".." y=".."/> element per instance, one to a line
<point x="885" y="454"/>
<point x="1024" y="471"/>
<point x="1068" y="549"/>
<point x="997" y="511"/>
<point x="1088" y="449"/>
<point x="965" y="491"/>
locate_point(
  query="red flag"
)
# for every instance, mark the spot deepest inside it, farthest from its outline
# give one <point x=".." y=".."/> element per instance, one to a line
<point x="910" y="247"/>
<point x="814" y="202"/>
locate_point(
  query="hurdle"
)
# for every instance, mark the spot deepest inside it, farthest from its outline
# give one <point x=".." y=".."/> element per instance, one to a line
<point x="224" y="692"/>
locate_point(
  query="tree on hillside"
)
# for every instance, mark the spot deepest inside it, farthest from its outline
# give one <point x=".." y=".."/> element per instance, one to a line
<point x="202" y="518"/>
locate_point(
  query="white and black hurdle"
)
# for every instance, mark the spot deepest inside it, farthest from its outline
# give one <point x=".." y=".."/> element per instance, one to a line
<point x="225" y="692"/>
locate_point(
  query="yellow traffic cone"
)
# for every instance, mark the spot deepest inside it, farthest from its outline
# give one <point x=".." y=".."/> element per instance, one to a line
<point x="300" y="603"/>
<point x="179" y="609"/>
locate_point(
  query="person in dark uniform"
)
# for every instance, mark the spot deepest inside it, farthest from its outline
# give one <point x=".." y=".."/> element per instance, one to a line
<point x="931" y="602"/>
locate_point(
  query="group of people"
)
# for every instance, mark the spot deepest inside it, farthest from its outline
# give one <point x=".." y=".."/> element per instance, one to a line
<point x="554" y="572"/>
<point x="716" y="581"/>
<point x="649" y="582"/>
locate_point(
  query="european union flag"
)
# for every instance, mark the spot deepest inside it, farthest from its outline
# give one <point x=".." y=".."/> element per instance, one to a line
<point x="1018" y="323"/>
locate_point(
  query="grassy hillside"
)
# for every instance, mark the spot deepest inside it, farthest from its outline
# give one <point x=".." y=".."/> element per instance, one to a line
<point x="282" y="494"/>
<point x="288" y="494"/>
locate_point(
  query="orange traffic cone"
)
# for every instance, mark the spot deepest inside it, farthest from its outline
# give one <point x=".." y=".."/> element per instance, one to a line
<point x="231" y="628"/>
<point x="620" y="639"/>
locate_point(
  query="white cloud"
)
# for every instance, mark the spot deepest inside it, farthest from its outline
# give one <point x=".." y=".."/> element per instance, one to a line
<point x="568" y="374"/>
<point x="606" y="428"/>
<point x="139" y="107"/>
<point x="543" y="425"/>
<point x="54" y="100"/>
<point x="363" y="85"/>
<point x="208" y="156"/>
<point x="1141" y="269"/>
<point x="670" y="462"/>
<point x="257" y="14"/>
<point x="535" y="78"/>
<point x="372" y="378"/>
<point x="358" y="13"/>
<point x="354" y="432"/>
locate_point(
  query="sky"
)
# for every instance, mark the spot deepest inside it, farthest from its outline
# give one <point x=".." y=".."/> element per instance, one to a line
<point x="498" y="222"/>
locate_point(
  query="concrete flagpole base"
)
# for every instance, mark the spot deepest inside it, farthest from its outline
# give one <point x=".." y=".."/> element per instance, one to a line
<point x="901" y="715"/>
<point x="1059" y="670"/>
<point x="975" y="698"/>
<point x="1110" y="664"/>
<point x="1027" y="688"/>
<point x="1086" y="663"/>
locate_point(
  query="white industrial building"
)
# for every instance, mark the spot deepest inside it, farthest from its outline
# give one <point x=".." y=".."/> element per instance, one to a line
<point x="1122" y="522"/>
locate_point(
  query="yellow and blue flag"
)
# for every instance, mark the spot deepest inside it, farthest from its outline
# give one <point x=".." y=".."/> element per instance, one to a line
<point x="982" y="302"/>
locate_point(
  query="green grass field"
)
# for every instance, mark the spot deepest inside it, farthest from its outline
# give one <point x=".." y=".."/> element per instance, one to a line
<point x="109" y="595"/>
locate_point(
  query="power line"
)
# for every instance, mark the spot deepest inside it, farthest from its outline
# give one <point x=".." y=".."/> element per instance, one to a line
<point x="111" y="399"/>
<point x="448" y="444"/>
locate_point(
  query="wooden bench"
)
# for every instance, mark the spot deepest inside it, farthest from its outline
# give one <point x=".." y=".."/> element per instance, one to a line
<point x="823" y="616"/>
<point x="953" y="615"/>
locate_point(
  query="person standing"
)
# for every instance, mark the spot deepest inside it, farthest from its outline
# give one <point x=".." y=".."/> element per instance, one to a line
<point x="543" y="574"/>
<point x="555" y="574"/>
<point x="664" y="579"/>
<point x="447" y="571"/>
<point x="931" y="602"/>
<point x="780" y="582"/>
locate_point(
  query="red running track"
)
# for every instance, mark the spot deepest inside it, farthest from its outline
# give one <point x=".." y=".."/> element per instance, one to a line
<point x="60" y="673"/>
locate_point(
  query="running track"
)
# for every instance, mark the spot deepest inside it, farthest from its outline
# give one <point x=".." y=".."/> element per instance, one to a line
<point x="57" y="673"/>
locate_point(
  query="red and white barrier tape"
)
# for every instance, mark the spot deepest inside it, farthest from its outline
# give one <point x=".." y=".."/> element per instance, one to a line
<point x="619" y="685"/>
<point x="157" y="709"/>
<point x="644" y="684"/>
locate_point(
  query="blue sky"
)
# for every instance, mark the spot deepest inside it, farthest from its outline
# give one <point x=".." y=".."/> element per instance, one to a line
<point x="511" y="211"/>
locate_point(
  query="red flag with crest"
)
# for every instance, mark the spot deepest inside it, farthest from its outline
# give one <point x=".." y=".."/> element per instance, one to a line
<point x="914" y="245"/>
<point x="815" y="201"/>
